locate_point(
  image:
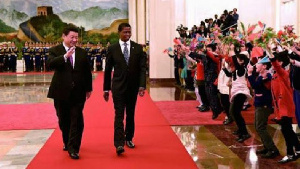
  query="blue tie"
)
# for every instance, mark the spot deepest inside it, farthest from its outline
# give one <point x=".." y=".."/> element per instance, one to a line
<point x="125" y="52"/>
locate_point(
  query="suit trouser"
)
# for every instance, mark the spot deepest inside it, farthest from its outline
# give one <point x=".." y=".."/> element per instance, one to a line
<point x="121" y="103"/>
<point x="212" y="96"/>
<point x="70" y="120"/>
<point x="290" y="137"/>
<point x="296" y="96"/>
<point x="261" y="122"/>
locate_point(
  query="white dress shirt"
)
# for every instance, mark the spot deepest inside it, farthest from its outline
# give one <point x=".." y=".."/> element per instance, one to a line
<point x="122" y="46"/>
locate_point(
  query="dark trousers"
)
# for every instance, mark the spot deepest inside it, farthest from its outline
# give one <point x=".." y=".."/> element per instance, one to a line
<point x="70" y="120"/>
<point x="176" y="75"/>
<point x="202" y="93"/>
<point x="13" y="63"/>
<point x="224" y="98"/>
<point x="261" y="122"/>
<point x="38" y="62"/>
<point x="121" y="103"/>
<point x="235" y="111"/>
<point x="296" y="96"/>
<point x="189" y="80"/>
<point x="27" y="63"/>
<point x="289" y="135"/>
<point x="212" y="95"/>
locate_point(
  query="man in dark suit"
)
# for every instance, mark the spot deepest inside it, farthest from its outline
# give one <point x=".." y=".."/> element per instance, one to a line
<point x="71" y="85"/>
<point x="129" y="80"/>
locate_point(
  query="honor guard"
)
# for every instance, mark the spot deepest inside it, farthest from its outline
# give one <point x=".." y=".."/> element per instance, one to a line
<point x="1" y="57"/>
<point x="31" y="47"/>
<point x="6" y="54"/>
<point x="46" y="56"/>
<point x="98" y="56"/>
<point x="37" y="57"/>
<point x="26" y="56"/>
<point x="13" y="57"/>
<point x="90" y="57"/>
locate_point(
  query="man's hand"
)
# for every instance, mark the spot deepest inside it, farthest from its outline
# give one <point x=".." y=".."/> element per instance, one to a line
<point x="88" y="95"/>
<point x="141" y="91"/>
<point x="106" y="96"/>
<point x="70" y="51"/>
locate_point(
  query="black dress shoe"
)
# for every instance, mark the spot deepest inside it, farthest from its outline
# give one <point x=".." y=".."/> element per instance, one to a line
<point x="242" y="138"/>
<point x="74" y="156"/>
<point x="227" y="121"/>
<point x="286" y="159"/>
<point x="271" y="154"/>
<point x="120" y="150"/>
<point x="65" y="148"/>
<point x="262" y="151"/>
<point x="203" y="108"/>
<point x="130" y="144"/>
<point x="214" y="116"/>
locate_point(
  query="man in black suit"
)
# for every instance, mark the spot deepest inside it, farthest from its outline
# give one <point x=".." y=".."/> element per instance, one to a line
<point x="71" y="85"/>
<point x="129" y="80"/>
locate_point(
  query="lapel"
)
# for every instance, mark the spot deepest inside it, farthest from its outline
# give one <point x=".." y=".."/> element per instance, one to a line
<point x="120" y="53"/>
<point x="76" y="57"/>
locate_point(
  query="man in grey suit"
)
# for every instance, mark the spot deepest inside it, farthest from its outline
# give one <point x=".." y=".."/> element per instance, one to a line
<point x="71" y="85"/>
<point x="129" y="80"/>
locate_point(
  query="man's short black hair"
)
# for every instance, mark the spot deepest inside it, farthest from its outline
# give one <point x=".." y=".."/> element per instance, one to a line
<point x="70" y="27"/>
<point x="123" y="25"/>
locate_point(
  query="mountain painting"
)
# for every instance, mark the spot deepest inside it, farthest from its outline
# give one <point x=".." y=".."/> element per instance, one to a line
<point x="43" y="20"/>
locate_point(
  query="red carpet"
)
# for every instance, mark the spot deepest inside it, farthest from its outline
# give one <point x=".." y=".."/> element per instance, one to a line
<point x="185" y="113"/>
<point x="27" y="116"/>
<point x="157" y="147"/>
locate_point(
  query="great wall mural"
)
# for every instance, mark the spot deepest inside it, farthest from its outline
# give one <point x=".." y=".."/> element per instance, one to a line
<point x="43" y="20"/>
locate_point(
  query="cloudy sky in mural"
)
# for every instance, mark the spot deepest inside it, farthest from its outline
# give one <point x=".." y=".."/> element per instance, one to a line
<point x="29" y="6"/>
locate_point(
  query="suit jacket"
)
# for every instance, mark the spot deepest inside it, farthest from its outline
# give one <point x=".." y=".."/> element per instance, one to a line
<point x="68" y="81"/>
<point x="125" y="77"/>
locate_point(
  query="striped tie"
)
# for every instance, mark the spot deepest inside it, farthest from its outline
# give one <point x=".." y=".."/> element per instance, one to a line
<point x="125" y="52"/>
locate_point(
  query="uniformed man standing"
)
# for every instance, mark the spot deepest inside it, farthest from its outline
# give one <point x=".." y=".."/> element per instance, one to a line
<point x="37" y="57"/>
<point x="46" y="56"/>
<point x="89" y="51"/>
<point x="13" y="57"/>
<point x="1" y="57"/>
<point x="98" y="56"/>
<point x="6" y="54"/>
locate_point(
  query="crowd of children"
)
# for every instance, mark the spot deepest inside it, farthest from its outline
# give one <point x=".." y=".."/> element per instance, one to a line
<point x="227" y="71"/>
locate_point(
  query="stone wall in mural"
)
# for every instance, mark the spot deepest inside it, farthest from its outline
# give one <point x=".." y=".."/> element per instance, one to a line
<point x="43" y="20"/>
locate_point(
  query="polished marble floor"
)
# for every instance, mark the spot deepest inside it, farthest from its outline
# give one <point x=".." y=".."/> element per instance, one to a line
<point x="210" y="146"/>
